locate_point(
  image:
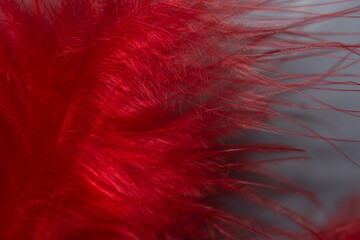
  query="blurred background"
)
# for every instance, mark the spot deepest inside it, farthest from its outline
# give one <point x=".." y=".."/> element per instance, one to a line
<point x="331" y="175"/>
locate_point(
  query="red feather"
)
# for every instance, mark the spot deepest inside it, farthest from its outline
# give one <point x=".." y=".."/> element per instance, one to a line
<point x="345" y="223"/>
<point x="118" y="117"/>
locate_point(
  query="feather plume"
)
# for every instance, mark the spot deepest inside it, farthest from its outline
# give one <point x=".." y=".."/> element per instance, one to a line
<point x="118" y="118"/>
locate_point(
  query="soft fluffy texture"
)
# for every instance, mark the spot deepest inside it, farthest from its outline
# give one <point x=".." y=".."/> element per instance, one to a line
<point x="118" y="117"/>
<point x="344" y="223"/>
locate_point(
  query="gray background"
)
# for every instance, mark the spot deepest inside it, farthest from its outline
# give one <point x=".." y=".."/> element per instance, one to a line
<point x="329" y="175"/>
